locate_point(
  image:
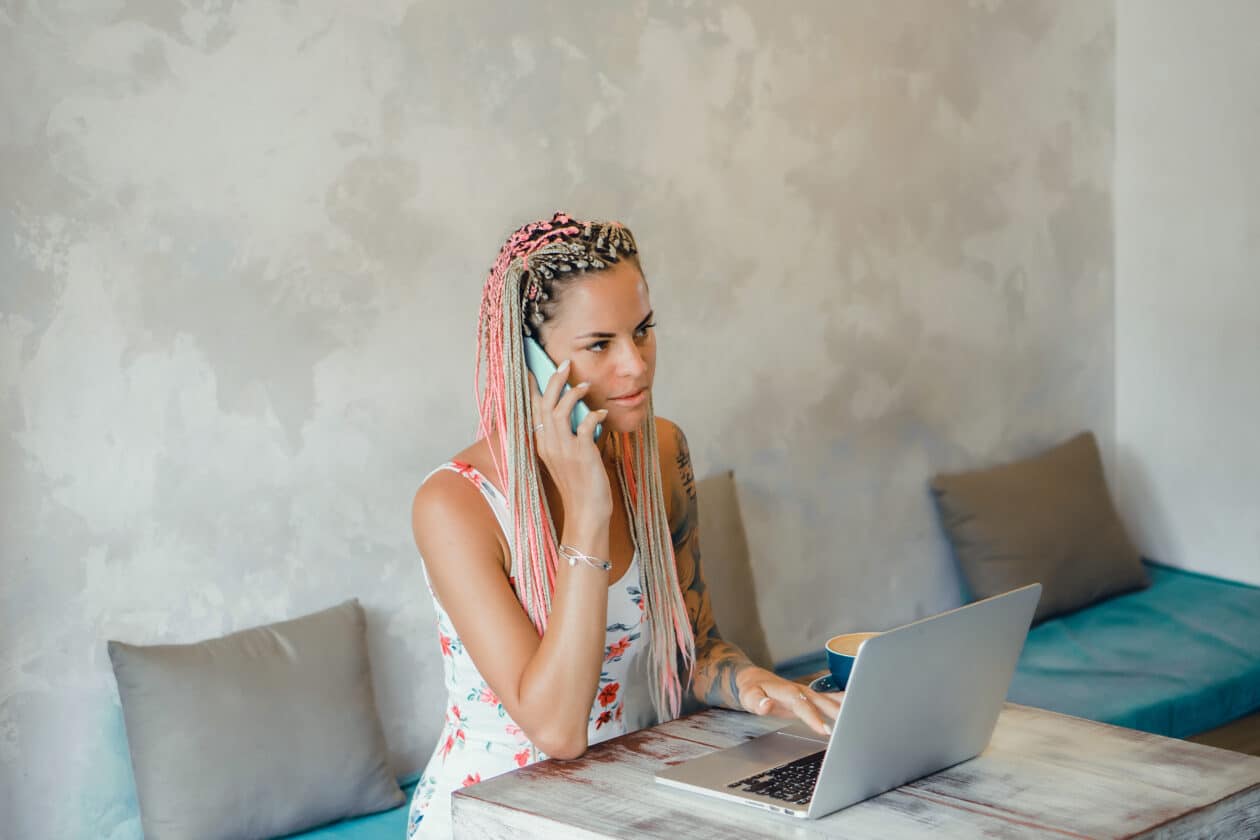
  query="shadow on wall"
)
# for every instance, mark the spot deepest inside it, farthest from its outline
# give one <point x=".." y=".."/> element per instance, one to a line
<point x="965" y="595"/>
<point x="1133" y="491"/>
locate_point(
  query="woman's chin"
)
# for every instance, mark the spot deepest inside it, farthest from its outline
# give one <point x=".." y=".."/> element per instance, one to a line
<point x="626" y="420"/>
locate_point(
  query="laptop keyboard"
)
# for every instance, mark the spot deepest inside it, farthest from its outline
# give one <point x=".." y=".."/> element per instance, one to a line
<point x="792" y="782"/>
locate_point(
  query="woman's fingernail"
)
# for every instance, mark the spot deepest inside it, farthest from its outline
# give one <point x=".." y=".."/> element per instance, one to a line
<point x="583" y="384"/>
<point x="764" y="701"/>
<point x="827" y="727"/>
<point x="563" y="365"/>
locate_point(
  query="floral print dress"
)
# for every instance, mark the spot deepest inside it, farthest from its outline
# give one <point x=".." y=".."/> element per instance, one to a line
<point x="479" y="740"/>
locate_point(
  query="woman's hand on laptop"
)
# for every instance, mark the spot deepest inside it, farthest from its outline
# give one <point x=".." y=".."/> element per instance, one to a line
<point x="765" y="693"/>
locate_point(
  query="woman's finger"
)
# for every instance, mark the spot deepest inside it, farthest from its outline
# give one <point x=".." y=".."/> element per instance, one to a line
<point x="756" y="701"/>
<point x="555" y="385"/>
<point x="564" y="408"/>
<point x="586" y="429"/>
<point x="794" y="699"/>
<point x="828" y="703"/>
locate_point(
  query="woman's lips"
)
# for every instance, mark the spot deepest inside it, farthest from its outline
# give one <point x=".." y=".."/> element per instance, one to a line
<point x="630" y="401"/>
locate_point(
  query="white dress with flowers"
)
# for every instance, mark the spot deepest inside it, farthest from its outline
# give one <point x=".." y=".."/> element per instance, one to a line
<point x="479" y="740"/>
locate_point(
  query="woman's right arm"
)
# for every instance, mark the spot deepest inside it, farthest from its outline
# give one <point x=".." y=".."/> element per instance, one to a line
<point x="547" y="684"/>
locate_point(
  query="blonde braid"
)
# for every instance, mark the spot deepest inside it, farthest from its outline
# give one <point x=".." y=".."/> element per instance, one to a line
<point x="536" y="540"/>
<point x="666" y="611"/>
<point x="519" y="283"/>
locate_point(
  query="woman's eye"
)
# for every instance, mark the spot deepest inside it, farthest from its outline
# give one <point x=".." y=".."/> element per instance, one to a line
<point x="601" y="346"/>
<point x="644" y="329"/>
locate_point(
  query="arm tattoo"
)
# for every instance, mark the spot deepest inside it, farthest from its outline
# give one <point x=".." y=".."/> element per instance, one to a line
<point x="718" y="662"/>
<point x="685" y="472"/>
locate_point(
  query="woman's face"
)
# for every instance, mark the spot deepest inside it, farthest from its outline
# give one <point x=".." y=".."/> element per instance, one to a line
<point x="604" y="324"/>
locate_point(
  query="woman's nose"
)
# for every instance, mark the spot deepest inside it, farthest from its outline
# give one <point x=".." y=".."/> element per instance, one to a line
<point x="630" y="362"/>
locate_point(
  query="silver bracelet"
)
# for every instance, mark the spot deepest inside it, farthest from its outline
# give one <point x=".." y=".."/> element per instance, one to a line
<point x="571" y="554"/>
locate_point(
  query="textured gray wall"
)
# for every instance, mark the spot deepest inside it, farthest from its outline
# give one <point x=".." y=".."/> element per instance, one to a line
<point x="241" y="249"/>
<point x="1187" y="193"/>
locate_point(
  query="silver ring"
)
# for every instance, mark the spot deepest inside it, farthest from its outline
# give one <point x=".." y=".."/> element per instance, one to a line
<point x="801" y="695"/>
<point x="538" y="428"/>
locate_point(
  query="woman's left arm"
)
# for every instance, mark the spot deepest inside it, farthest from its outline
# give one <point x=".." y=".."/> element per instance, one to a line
<point x="723" y="675"/>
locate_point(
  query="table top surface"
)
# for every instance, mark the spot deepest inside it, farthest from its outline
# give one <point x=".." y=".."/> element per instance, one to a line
<point x="1042" y="775"/>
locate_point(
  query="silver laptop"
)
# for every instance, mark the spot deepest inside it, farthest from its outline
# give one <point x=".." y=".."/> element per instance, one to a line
<point x="921" y="698"/>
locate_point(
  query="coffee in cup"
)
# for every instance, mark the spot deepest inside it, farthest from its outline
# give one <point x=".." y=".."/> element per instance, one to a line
<point x="842" y="650"/>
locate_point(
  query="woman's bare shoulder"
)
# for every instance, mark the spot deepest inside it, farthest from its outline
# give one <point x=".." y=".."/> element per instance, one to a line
<point x="447" y="504"/>
<point x="669" y="437"/>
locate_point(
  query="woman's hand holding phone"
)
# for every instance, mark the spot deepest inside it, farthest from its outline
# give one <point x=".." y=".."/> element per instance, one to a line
<point x="572" y="459"/>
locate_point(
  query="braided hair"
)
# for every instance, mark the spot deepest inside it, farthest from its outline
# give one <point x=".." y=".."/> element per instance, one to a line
<point x="519" y="296"/>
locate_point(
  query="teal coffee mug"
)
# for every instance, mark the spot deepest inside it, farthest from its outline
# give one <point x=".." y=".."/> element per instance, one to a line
<point x="842" y="650"/>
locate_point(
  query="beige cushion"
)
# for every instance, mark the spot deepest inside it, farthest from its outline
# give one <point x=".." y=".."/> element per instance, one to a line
<point x="268" y="731"/>
<point x="1046" y="519"/>
<point x="727" y="571"/>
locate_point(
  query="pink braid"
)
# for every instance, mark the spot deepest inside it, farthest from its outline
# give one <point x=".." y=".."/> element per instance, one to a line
<point x="578" y="246"/>
<point x="491" y="405"/>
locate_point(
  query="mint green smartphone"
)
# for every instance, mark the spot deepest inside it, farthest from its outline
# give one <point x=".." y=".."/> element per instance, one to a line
<point x="541" y="365"/>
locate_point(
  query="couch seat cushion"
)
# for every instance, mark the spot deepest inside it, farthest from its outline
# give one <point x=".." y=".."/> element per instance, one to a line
<point x="1176" y="659"/>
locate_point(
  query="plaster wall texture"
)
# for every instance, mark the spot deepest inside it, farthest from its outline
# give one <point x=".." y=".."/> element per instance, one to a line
<point x="241" y="251"/>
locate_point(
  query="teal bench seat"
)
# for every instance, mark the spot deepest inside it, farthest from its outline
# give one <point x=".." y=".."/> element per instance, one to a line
<point x="1175" y="659"/>
<point x="386" y="825"/>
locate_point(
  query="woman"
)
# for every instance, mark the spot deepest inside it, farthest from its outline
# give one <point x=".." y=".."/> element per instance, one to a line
<point x="565" y="571"/>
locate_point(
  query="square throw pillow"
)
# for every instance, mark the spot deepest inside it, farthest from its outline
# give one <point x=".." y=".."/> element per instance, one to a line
<point x="263" y="732"/>
<point x="1046" y="519"/>
<point x="727" y="567"/>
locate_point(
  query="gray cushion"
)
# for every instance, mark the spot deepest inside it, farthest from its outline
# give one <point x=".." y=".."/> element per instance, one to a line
<point x="1046" y="519"/>
<point x="263" y="732"/>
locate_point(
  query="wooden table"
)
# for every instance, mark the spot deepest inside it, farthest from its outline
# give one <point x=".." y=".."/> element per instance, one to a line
<point x="1042" y="775"/>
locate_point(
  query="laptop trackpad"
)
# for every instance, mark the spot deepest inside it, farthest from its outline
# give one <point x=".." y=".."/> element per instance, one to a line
<point x="800" y="729"/>
<point x="755" y="756"/>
